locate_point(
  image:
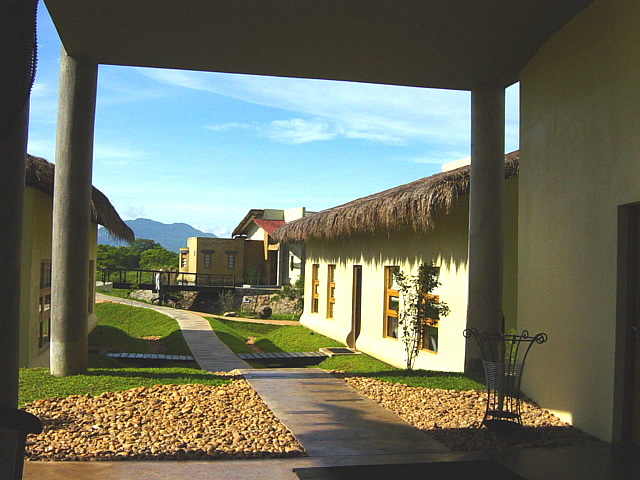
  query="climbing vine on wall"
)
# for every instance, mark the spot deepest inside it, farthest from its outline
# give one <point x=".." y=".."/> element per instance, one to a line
<point x="419" y="307"/>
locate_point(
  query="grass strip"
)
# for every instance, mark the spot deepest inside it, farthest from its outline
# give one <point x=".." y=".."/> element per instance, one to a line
<point x="294" y="338"/>
<point x="115" y="292"/>
<point x="124" y="326"/>
<point x="269" y="338"/>
<point x="38" y="383"/>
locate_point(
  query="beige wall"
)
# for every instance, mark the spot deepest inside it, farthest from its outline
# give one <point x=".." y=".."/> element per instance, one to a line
<point x="36" y="248"/>
<point x="254" y="255"/>
<point x="580" y="151"/>
<point x="249" y="251"/>
<point x="446" y="246"/>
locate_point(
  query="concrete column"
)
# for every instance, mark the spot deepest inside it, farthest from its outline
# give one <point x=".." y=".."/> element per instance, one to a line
<point x="13" y="147"/>
<point x="72" y="215"/>
<point x="486" y="211"/>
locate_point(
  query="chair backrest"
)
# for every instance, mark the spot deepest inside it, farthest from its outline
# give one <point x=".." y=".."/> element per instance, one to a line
<point x="15" y="425"/>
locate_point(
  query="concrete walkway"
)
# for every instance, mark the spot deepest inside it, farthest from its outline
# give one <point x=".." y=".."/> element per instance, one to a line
<point x="209" y="352"/>
<point x="329" y="418"/>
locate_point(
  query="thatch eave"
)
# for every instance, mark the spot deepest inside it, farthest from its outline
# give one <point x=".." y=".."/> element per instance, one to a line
<point x="413" y="206"/>
<point x="40" y="174"/>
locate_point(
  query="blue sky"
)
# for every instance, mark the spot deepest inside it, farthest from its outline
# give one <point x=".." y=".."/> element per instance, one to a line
<point x="204" y="148"/>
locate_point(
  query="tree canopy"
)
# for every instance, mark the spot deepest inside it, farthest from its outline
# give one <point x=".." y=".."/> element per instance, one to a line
<point x="142" y="253"/>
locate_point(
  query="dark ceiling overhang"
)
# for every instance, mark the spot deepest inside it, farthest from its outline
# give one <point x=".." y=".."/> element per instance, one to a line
<point x="453" y="44"/>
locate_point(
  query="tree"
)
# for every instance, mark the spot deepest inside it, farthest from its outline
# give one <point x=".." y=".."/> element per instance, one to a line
<point x="157" y="258"/>
<point x="116" y="257"/>
<point x="107" y="257"/>
<point x="419" y="307"/>
<point x="140" y="245"/>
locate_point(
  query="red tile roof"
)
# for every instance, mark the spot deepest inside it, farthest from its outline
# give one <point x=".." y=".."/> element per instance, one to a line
<point x="268" y="225"/>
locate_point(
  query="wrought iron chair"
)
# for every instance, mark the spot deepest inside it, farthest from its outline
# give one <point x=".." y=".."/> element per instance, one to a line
<point x="503" y="358"/>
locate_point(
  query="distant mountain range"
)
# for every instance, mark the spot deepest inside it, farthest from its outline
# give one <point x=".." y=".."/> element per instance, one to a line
<point x="170" y="236"/>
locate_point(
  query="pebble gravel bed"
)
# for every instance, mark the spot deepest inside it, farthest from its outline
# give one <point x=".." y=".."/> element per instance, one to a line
<point x="449" y="417"/>
<point x="197" y="422"/>
<point x="164" y="422"/>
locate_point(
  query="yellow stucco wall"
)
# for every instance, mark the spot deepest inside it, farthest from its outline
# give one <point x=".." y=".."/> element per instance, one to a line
<point x="249" y="251"/>
<point x="446" y="246"/>
<point x="580" y="98"/>
<point x="36" y="248"/>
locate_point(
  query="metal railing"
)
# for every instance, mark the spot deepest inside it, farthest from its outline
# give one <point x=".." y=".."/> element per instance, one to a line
<point x="151" y="279"/>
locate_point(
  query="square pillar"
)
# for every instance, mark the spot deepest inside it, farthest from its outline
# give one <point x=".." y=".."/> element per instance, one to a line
<point x="17" y="70"/>
<point x="486" y="212"/>
<point x="13" y="148"/>
<point x="72" y="215"/>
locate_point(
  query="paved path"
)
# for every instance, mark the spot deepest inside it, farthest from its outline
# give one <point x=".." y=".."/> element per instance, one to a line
<point x="330" y="419"/>
<point x="209" y="352"/>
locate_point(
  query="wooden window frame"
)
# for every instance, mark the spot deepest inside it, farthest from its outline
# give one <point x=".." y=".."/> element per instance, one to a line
<point x="390" y="292"/>
<point x="315" y="288"/>
<point x="428" y="323"/>
<point x="331" y="291"/>
<point x="44" y="304"/>
<point x="231" y="261"/>
<point x="91" y="293"/>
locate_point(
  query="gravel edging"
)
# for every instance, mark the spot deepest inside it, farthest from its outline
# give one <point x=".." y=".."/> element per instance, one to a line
<point x="164" y="422"/>
<point x="198" y="422"/>
<point x="449" y="416"/>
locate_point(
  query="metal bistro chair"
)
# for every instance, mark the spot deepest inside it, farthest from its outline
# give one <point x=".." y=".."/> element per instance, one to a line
<point x="503" y="357"/>
<point x="15" y="425"/>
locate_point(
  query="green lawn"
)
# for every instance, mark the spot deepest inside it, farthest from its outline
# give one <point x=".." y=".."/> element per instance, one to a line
<point x="123" y="326"/>
<point x="37" y="383"/>
<point x="270" y="338"/>
<point x="285" y="316"/>
<point x="114" y="292"/>
<point x="120" y="326"/>
<point x="296" y="338"/>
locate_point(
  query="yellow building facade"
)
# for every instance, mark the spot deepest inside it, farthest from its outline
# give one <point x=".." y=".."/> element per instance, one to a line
<point x="252" y="256"/>
<point x="348" y="285"/>
<point x="35" y="291"/>
<point x="228" y="257"/>
<point x="579" y="195"/>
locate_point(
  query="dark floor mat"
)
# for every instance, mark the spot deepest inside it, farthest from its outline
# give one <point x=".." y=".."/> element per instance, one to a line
<point x="476" y="470"/>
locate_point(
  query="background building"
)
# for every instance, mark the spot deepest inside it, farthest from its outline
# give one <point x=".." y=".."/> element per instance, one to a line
<point x="35" y="300"/>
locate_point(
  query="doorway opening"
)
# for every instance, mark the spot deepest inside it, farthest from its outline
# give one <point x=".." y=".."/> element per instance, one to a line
<point x="356" y="306"/>
<point x="628" y="344"/>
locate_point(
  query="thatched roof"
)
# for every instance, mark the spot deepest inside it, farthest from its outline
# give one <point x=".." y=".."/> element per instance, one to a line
<point x="40" y="175"/>
<point x="412" y="206"/>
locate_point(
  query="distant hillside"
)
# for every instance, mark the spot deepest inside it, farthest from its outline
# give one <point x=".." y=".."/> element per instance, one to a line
<point x="170" y="236"/>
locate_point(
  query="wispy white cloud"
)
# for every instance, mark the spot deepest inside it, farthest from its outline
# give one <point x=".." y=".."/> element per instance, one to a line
<point x="227" y="126"/>
<point x="437" y="158"/>
<point x="299" y="130"/>
<point x="131" y="212"/>
<point x="115" y="88"/>
<point x="42" y="89"/>
<point x="378" y="113"/>
<point x="218" y="230"/>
